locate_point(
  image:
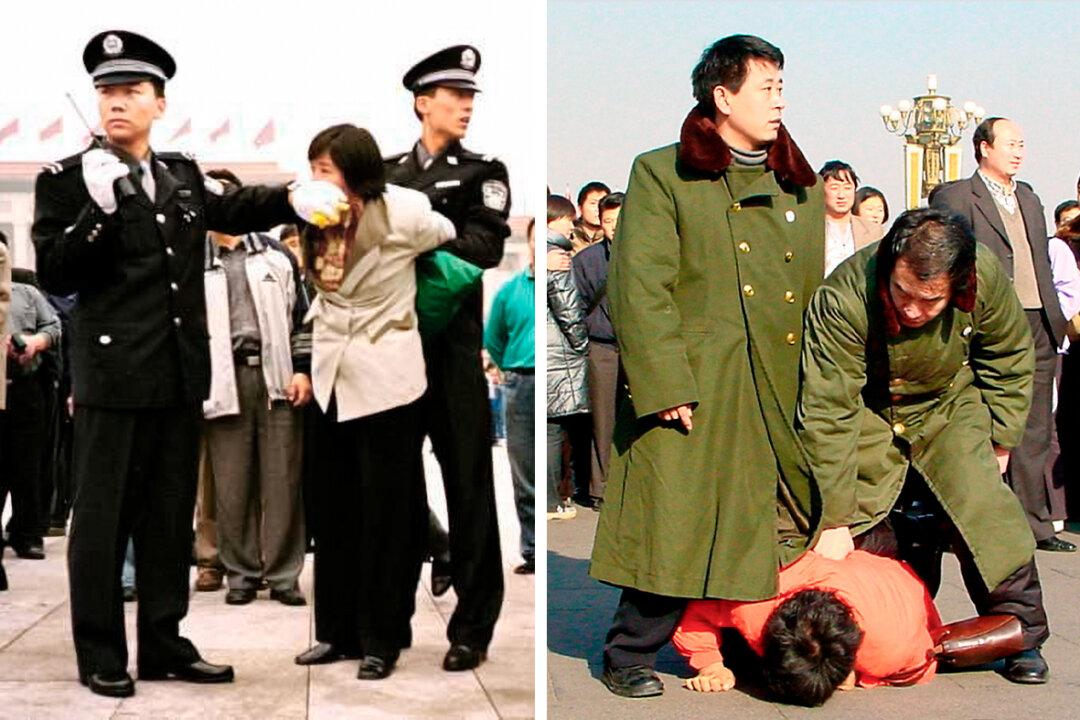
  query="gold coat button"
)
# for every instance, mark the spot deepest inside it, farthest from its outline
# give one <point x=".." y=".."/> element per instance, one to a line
<point x="736" y="207"/>
<point x="966" y="332"/>
<point x="896" y="381"/>
<point x="788" y="256"/>
<point x="744" y="247"/>
<point x="789" y="297"/>
<point x="748" y="290"/>
<point x="898" y="428"/>
<point x="791" y="338"/>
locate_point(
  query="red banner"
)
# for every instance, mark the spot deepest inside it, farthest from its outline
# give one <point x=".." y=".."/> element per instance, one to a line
<point x="223" y="130"/>
<point x="184" y="129"/>
<point x="266" y="135"/>
<point x="10" y="129"/>
<point x="52" y="129"/>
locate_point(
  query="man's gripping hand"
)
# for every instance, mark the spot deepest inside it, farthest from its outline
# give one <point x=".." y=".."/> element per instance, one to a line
<point x="100" y="169"/>
<point x="318" y="202"/>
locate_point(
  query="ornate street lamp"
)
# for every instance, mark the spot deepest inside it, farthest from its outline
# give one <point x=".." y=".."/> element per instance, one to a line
<point x="931" y="126"/>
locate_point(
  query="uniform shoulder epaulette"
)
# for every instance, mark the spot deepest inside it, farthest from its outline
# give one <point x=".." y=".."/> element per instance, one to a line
<point x="58" y="166"/>
<point x="176" y="156"/>
<point x="395" y="159"/>
<point x="477" y="157"/>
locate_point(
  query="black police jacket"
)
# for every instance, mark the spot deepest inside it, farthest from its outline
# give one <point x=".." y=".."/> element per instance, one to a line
<point x="473" y="192"/>
<point x="139" y="336"/>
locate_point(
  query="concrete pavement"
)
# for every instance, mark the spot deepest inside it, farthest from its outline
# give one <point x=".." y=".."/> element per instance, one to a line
<point x="580" y="610"/>
<point x="38" y="676"/>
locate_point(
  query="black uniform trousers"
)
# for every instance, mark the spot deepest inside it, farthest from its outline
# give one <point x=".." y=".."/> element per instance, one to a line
<point x="457" y="418"/>
<point x="1026" y="473"/>
<point x="918" y="531"/>
<point x="135" y="475"/>
<point x="370" y="528"/>
<point x="23" y="437"/>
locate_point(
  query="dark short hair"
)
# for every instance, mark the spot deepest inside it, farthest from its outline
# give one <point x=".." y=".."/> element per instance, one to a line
<point x="835" y="169"/>
<point x="726" y="62"/>
<point x="159" y="87"/>
<point x="356" y="154"/>
<point x="224" y="175"/>
<point x="868" y="192"/>
<point x="3" y="238"/>
<point x="589" y="188"/>
<point x="559" y="207"/>
<point x="809" y="643"/>
<point x="429" y="91"/>
<point x="287" y="231"/>
<point x="933" y="242"/>
<point x="984" y="133"/>
<point x="610" y="202"/>
<point x="1062" y="208"/>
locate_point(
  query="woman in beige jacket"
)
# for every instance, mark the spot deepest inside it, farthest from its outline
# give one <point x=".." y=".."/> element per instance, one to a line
<point x="368" y="375"/>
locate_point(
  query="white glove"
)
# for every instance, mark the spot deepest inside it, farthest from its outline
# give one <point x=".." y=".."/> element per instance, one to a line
<point x="318" y="202"/>
<point x="100" y="170"/>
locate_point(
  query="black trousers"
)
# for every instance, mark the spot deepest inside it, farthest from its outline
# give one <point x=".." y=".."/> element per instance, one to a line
<point x="23" y="437"/>
<point x="1027" y="464"/>
<point x="918" y="531"/>
<point x="456" y="415"/>
<point x="643" y="624"/>
<point x="135" y="475"/>
<point x="370" y="529"/>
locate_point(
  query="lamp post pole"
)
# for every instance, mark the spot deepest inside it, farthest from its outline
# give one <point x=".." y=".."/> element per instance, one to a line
<point x="930" y="125"/>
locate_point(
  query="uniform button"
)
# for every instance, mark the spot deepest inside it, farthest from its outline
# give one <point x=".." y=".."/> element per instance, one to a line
<point x="896" y="381"/>
<point x="966" y="332"/>
<point x="174" y="287"/>
<point x="160" y="218"/>
<point x="169" y="251"/>
<point x="788" y="256"/>
<point x="176" y="321"/>
<point x="789" y="297"/>
<point x="744" y="247"/>
<point x="748" y="290"/>
<point x="791" y="338"/>
<point x="98" y="226"/>
<point x="965" y="363"/>
<point x="898" y="428"/>
<point x="105" y="340"/>
<point x="736" y="207"/>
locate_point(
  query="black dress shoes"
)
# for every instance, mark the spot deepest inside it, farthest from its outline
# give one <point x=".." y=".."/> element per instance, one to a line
<point x="130" y="594"/>
<point x="30" y="551"/>
<point x="239" y="596"/>
<point x="292" y="597"/>
<point x="3" y="578"/>
<point x="636" y="681"/>
<point x="1028" y="668"/>
<point x="323" y="653"/>
<point x="526" y="568"/>
<point x="463" y="657"/>
<point x="1055" y="544"/>
<point x="373" y="667"/>
<point x="109" y="684"/>
<point x="199" y="671"/>
<point x="440" y="575"/>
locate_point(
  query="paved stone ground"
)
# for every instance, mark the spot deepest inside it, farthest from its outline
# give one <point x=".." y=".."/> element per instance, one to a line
<point x="580" y="610"/>
<point x="37" y="662"/>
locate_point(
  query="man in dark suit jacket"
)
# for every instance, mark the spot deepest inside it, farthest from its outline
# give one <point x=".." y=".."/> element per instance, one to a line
<point x="1008" y="217"/>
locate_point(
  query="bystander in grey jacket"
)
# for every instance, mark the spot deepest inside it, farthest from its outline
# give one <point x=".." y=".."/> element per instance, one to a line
<point x="567" y="341"/>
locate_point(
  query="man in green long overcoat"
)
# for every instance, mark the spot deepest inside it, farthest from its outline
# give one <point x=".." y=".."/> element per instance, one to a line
<point x="720" y="245"/>
<point x="917" y="377"/>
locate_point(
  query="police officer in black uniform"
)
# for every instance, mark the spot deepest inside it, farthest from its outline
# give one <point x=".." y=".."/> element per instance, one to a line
<point x="125" y="228"/>
<point x="473" y="191"/>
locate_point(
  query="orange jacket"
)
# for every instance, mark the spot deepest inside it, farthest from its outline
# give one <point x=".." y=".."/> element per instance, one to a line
<point x="888" y="601"/>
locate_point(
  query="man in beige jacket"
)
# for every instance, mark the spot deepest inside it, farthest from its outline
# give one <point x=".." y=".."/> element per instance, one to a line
<point x="844" y="232"/>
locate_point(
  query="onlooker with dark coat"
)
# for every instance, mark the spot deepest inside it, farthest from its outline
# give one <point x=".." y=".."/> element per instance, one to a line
<point x="567" y="363"/>
<point x="586" y="229"/>
<point x="590" y="276"/>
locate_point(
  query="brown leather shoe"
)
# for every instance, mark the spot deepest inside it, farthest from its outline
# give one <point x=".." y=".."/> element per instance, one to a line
<point x="209" y="579"/>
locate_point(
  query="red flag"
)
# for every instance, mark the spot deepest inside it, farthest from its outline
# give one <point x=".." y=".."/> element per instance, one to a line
<point x="224" y="129"/>
<point x="184" y="129"/>
<point x="52" y="129"/>
<point x="266" y="135"/>
<point x="10" y="129"/>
